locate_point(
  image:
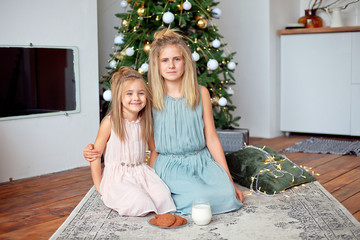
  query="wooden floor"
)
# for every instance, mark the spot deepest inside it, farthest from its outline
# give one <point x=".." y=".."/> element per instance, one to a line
<point x="34" y="208"/>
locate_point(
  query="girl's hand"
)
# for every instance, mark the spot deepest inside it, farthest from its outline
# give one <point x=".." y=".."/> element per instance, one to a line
<point x="239" y="194"/>
<point x="90" y="153"/>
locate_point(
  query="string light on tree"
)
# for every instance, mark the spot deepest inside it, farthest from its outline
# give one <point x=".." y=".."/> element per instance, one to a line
<point x="107" y="95"/>
<point x="168" y="17"/>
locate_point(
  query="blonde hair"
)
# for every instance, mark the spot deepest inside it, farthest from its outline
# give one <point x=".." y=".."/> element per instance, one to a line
<point x="118" y="80"/>
<point x="189" y="84"/>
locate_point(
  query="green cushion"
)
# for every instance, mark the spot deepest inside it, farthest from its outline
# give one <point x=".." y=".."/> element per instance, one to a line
<point x="265" y="170"/>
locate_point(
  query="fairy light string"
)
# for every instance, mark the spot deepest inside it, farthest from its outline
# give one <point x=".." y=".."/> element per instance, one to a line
<point x="274" y="169"/>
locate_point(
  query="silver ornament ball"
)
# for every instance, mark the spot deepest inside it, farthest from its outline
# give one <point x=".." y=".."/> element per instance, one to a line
<point x="168" y="17"/>
<point x="107" y="95"/>
<point x="231" y="65"/>
<point x="222" y="101"/>
<point x="216" y="12"/>
<point x="212" y="64"/>
<point x="112" y="64"/>
<point x="195" y="56"/>
<point x="187" y="5"/>
<point x="130" y="51"/>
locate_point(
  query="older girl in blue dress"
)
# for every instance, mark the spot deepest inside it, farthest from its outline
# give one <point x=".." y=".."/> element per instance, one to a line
<point x="188" y="155"/>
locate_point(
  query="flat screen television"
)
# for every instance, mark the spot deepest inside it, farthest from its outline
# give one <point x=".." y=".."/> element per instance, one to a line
<point x="38" y="81"/>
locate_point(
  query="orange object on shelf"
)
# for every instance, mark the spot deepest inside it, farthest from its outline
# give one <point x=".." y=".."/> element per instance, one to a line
<point x="311" y="20"/>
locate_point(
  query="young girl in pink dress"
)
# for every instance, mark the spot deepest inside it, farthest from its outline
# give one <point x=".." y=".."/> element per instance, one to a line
<point x="128" y="185"/>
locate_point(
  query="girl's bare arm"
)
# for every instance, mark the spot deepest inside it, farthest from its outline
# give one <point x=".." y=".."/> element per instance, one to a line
<point x="153" y="154"/>
<point x="100" y="143"/>
<point x="212" y="139"/>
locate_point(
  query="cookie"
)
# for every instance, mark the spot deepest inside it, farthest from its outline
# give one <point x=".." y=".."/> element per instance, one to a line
<point x="178" y="222"/>
<point x="165" y="220"/>
<point x="153" y="221"/>
<point x="163" y="215"/>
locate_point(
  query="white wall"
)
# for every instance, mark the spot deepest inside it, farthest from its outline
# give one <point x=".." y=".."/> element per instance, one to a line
<point x="35" y="146"/>
<point x="106" y="22"/>
<point x="249" y="27"/>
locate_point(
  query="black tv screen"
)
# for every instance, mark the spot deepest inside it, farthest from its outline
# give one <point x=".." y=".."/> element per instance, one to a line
<point x="37" y="80"/>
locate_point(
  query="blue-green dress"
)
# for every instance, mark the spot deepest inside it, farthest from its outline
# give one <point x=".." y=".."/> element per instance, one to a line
<point x="184" y="162"/>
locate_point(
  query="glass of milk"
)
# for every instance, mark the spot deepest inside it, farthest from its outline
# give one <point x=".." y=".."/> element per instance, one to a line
<point x="201" y="212"/>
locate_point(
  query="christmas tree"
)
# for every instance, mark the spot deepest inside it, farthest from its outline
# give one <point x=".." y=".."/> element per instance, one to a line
<point x="193" y="19"/>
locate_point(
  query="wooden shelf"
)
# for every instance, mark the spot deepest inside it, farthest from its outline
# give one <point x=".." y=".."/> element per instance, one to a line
<point x="318" y="30"/>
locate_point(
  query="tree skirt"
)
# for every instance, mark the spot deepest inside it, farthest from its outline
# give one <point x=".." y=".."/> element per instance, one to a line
<point x="319" y="145"/>
<point x="304" y="212"/>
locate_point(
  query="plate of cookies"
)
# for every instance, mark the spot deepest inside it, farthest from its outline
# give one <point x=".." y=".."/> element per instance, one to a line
<point x="168" y="220"/>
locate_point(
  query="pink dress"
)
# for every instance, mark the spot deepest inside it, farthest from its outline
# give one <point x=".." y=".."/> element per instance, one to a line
<point x="128" y="185"/>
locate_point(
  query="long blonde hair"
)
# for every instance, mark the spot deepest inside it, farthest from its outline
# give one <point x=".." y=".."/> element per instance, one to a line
<point x="189" y="84"/>
<point x="118" y="80"/>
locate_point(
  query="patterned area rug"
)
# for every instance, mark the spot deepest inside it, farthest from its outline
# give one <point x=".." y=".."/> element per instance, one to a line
<point x="304" y="212"/>
<point x="319" y="145"/>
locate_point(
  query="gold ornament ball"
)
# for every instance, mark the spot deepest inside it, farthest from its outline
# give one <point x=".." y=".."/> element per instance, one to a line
<point x="215" y="101"/>
<point x="141" y="71"/>
<point x="180" y="7"/>
<point x="146" y="47"/>
<point x="222" y="82"/>
<point x="125" y="23"/>
<point x="118" y="56"/>
<point x="141" y="11"/>
<point x="202" y="23"/>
